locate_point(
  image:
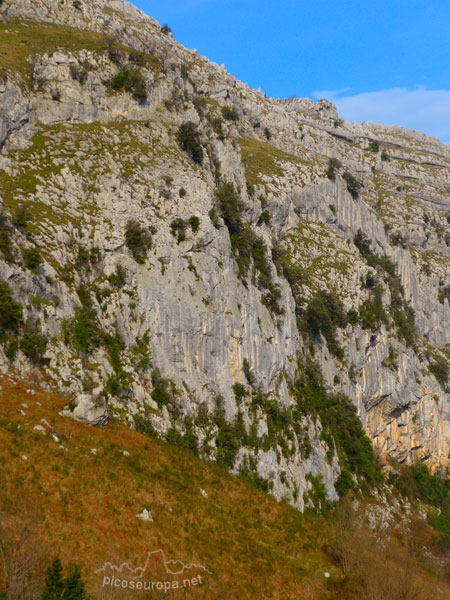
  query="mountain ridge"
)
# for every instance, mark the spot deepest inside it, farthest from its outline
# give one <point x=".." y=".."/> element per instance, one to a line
<point x="191" y="292"/>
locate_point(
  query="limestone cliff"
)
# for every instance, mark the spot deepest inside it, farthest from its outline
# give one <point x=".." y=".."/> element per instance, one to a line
<point x="121" y="154"/>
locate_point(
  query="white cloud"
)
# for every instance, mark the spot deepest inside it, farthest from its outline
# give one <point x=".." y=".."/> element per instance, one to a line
<point x="421" y="109"/>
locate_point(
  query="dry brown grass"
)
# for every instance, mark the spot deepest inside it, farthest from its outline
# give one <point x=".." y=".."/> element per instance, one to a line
<point x="254" y="547"/>
<point x="384" y="566"/>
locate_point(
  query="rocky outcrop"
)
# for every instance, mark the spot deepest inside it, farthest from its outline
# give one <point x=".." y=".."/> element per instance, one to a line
<point x="184" y="343"/>
<point x="89" y="408"/>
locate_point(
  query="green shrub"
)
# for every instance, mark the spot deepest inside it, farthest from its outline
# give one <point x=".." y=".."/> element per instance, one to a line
<point x="6" y="238"/>
<point x="239" y="392"/>
<point x="119" y="80"/>
<point x="131" y="81"/>
<point x="143" y="424"/>
<point x="317" y="494"/>
<point x="363" y="243"/>
<point x="178" y="229"/>
<point x="188" y="441"/>
<point x="278" y="421"/>
<point x="374" y="146"/>
<point x="258" y="252"/>
<point x="230" y="437"/>
<point x="333" y="165"/>
<point x="188" y="138"/>
<point x="141" y="354"/>
<point x="82" y="331"/>
<point x="22" y="216"/>
<point x="6" y="245"/>
<point x="372" y="313"/>
<point x="82" y="259"/>
<point x="230" y="207"/>
<point x="166" y="29"/>
<point x="194" y="222"/>
<point x="118" y="278"/>
<point x="323" y="315"/>
<point x="429" y="488"/>
<point x="353" y="184"/>
<point x="138" y="58"/>
<point x="385" y="156"/>
<point x="440" y="369"/>
<point x="10" y="310"/>
<point x="341" y="427"/>
<point x="229" y="113"/>
<point x="138" y="240"/>
<point x="32" y="258"/>
<point x="247" y="246"/>
<point x="164" y="391"/>
<point x="212" y="213"/>
<point x="118" y="383"/>
<point x="353" y="316"/>
<point x="391" y="360"/>
<point x="249" y="376"/>
<point x="248" y="472"/>
<point x="264" y="217"/>
<point x="33" y="343"/>
<point x="405" y="322"/>
<point x="271" y="299"/>
<point x="86" y="258"/>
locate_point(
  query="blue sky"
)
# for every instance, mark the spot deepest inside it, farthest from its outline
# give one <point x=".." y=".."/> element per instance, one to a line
<point x="386" y="61"/>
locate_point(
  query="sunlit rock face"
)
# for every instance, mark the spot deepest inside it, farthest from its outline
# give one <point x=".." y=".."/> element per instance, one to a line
<point x="176" y="328"/>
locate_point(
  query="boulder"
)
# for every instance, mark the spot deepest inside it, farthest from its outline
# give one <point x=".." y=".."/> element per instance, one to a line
<point x="89" y="408"/>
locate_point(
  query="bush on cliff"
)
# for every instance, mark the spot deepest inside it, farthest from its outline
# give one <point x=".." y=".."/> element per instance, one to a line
<point x="188" y="138"/>
<point x="324" y="314"/>
<point x="10" y="310"/>
<point x="138" y="240"/>
<point x="130" y="80"/>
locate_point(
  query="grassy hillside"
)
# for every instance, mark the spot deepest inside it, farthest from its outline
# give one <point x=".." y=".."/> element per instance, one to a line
<point x="83" y="506"/>
<point x="75" y="492"/>
<point x="20" y="40"/>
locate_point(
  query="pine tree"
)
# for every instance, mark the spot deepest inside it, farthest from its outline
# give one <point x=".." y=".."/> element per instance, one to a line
<point x="54" y="586"/>
<point x="73" y="585"/>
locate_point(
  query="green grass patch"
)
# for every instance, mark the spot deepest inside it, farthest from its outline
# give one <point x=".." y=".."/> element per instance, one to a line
<point x="19" y="40"/>
<point x="260" y="158"/>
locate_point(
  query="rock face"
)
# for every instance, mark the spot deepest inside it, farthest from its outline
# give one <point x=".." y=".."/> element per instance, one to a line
<point x="203" y="335"/>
